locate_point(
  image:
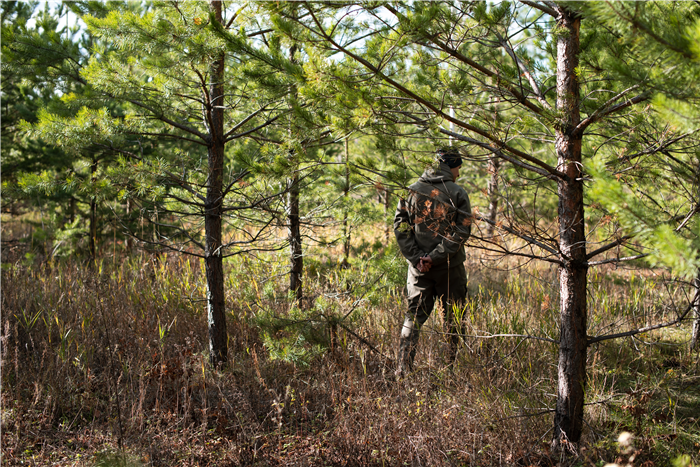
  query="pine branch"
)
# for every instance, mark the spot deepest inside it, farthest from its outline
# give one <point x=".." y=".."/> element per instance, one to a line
<point x="608" y="109"/>
<point x="644" y="27"/>
<point x="651" y="150"/>
<point x="497" y="152"/>
<point x="243" y="122"/>
<point x="543" y="8"/>
<point x="483" y="70"/>
<point x="165" y="119"/>
<point x="432" y="107"/>
<point x="170" y="135"/>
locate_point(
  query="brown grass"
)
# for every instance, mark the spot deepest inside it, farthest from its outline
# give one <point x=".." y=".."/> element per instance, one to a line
<point x="106" y="357"/>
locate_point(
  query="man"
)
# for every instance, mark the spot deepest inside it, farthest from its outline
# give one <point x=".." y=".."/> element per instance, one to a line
<point x="431" y="226"/>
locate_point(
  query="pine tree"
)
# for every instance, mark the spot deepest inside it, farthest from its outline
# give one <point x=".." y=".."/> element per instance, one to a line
<point x="41" y="64"/>
<point x="184" y="98"/>
<point x="653" y="188"/>
<point x="544" y="69"/>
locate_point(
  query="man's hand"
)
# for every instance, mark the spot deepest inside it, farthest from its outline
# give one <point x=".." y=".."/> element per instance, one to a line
<point x="425" y="263"/>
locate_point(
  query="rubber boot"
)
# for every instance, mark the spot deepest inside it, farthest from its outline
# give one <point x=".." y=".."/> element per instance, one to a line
<point x="407" y="348"/>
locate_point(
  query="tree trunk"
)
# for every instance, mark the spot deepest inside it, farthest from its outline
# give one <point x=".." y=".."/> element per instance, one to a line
<point x="346" y="191"/>
<point x="568" y="418"/>
<point x="71" y="210"/>
<point x="388" y="225"/>
<point x="129" y="237"/>
<point x="216" y="306"/>
<point x="93" y="229"/>
<point x="93" y="215"/>
<point x="296" y="267"/>
<point x="493" y="167"/>
<point x="695" y="333"/>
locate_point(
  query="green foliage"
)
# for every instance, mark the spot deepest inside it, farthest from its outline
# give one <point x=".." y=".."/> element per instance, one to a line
<point x="683" y="460"/>
<point x="296" y="338"/>
<point x="668" y="246"/>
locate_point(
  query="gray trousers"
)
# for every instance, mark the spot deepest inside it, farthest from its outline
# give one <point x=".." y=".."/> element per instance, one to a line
<point x="449" y="285"/>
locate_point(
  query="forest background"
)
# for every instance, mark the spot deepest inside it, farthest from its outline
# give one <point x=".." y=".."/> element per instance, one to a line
<point x="198" y="264"/>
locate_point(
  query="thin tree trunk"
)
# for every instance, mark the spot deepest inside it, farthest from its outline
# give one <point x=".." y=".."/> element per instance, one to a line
<point x="93" y="215"/>
<point x="296" y="267"/>
<point x="388" y="226"/>
<point x="346" y="191"/>
<point x="129" y="238"/>
<point x="493" y="194"/>
<point x="72" y="208"/>
<point x="93" y="228"/>
<point x="568" y="418"/>
<point x="216" y="306"/>
<point x="695" y="333"/>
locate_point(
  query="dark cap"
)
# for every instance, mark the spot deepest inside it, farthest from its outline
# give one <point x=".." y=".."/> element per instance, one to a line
<point x="450" y="156"/>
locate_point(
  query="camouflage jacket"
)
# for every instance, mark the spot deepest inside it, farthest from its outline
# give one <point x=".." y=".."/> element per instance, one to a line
<point x="435" y="219"/>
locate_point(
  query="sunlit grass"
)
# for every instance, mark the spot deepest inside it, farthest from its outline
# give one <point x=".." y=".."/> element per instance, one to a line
<point x="117" y="351"/>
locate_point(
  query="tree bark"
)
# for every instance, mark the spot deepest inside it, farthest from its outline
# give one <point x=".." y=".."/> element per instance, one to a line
<point x="493" y="167"/>
<point x="568" y="418"/>
<point x="93" y="229"/>
<point x="93" y="215"/>
<point x="129" y="238"/>
<point x="346" y="191"/>
<point x="695" y="333"/>
<point x="296" y="266"/>
<point x="388" y="226"/>
<point x="216" y="306"/>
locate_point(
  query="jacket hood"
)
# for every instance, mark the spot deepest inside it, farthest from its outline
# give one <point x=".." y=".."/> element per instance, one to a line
<point x="437" y="175"/>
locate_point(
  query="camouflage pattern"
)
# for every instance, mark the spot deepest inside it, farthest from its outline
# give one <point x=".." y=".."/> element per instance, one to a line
<point x="434" y="220"/>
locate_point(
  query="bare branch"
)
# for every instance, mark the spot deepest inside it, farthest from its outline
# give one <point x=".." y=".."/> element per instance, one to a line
<point x="607" y="247"/>
<point x="252" y="130"/>
<point x="507" y="252"/>
<point x="634" y="332"/>
<point x="524" y="336"/>
<point x="617" y="260"/>
<point x="518" y="234"/>
<point x="543" y="8"/>
<point x="531" y="79"/>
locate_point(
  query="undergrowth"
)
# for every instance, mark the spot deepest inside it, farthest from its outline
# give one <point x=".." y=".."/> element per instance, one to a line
<point x="106" y="364"/>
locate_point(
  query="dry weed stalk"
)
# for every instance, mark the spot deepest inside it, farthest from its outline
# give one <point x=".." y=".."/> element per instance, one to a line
<point x="64" y="371"/>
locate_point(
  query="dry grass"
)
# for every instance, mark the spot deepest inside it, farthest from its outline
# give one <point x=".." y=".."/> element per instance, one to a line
<point x="106" y="357"/>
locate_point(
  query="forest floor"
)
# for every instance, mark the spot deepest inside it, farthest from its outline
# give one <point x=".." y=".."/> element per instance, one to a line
<point x="106" y="364"/>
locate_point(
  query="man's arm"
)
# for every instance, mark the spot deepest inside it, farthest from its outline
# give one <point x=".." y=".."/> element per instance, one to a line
<point x="405" y="236"/>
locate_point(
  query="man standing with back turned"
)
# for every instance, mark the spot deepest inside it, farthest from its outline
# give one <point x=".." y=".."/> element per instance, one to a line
<point x="431" y="226"/>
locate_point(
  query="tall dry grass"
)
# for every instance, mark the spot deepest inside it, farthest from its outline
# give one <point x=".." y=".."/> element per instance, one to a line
<point x="113" y="356"/>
